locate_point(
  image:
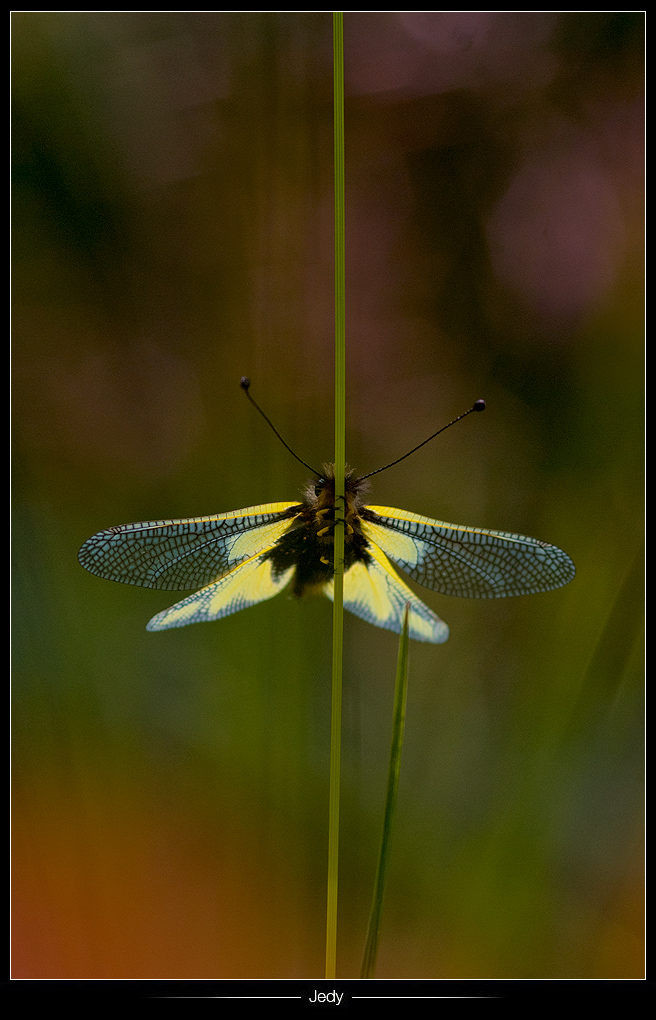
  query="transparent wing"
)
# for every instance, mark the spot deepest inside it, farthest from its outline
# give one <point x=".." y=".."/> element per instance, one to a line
<point x="377" y="594"/>
<point x="468" y="562"/>
<point x="250" y="582"/>
<point x="181" y="554"/>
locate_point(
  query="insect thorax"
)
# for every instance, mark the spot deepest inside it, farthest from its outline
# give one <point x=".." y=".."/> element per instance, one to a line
<point x="308" y="545"/>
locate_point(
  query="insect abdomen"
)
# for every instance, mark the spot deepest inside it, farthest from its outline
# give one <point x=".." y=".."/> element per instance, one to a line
<point x="309" y="548"/>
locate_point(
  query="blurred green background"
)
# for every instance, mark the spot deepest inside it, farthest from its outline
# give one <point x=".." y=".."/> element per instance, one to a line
<point x="172" y="230"/>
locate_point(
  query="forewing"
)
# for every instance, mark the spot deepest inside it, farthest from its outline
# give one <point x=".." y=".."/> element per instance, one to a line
<point x="180" y="554"/>
<point x="468" y="562"/>
<point x="250" y="582"/>
<point x="377" y="594"/>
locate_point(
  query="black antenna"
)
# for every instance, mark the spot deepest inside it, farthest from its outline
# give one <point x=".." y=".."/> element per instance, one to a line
<point x="245" y="384"/>
<point x="478" y="406"/>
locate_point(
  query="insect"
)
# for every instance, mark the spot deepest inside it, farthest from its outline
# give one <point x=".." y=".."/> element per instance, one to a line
<point x="245" y="556"/>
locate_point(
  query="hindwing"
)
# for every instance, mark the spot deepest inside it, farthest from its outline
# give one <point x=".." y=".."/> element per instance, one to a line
<point x="249" y="582"/>
<point x="375" y="592"/>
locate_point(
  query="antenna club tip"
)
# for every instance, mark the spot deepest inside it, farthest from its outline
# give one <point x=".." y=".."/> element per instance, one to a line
<point x="244" y="382"/>
<point x="479" y="405"/>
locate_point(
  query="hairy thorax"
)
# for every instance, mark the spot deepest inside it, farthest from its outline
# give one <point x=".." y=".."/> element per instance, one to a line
<point x="308" y="545"/>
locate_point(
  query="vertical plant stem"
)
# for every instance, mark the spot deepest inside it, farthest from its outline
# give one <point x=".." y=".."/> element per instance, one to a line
<point x="340" y="459"/>
<point x="400" y="693"/>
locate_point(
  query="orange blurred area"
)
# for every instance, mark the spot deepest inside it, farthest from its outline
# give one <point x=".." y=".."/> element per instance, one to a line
<point x="115" y="890"/>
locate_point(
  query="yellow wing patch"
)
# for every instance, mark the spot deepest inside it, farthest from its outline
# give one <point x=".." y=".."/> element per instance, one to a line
<point x="250" y="582"/>
<point x="377" y="594"/>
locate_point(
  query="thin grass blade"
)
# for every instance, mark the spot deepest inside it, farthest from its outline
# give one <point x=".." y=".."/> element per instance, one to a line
<point x="370" y="954"/>
<point x="340" y="461"/>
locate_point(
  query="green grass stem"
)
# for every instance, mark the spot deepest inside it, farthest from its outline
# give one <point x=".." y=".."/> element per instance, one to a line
<point x="368" y="968"/>
<point x="340" y="460"/>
